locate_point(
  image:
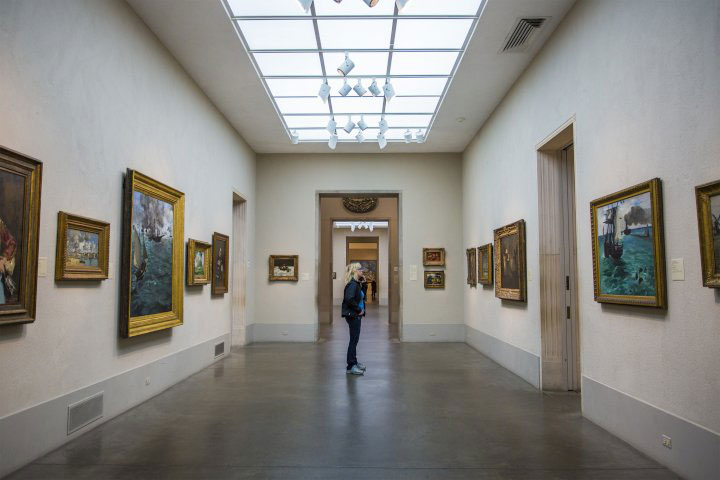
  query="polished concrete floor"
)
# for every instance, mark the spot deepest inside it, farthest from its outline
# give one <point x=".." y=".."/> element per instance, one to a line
<point x="289" y="411"/>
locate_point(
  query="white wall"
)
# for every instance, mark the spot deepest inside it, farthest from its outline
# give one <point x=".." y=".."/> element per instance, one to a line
<point x="642" y="80"/>
<point x="287" y="223"/>
<point x="88" y="90"/>
<point x="339" y="261"/>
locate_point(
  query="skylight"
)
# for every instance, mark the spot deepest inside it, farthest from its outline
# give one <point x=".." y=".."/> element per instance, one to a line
<point x="417" y="49"/>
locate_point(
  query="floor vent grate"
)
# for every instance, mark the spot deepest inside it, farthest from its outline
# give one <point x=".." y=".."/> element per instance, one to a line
<point x="85" y="412"/>
<point x="523" y="33"/>
<point x="219" y="349"/>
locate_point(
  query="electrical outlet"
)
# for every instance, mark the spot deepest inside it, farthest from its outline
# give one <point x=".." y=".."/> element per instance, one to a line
<point x="667" y="441"/>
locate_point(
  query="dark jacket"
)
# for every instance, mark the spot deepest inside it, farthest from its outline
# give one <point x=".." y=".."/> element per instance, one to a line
<point x="352" y="299"/>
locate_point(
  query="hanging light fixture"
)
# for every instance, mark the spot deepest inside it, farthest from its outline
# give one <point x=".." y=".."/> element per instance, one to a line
<point x="400" y="4"/>
<point x="305" y="4"/>
<point x="350" y="125"/>
<point x="408" y="136"/>
<point x="371" y="3"/>
<point x="360" y="137"/>
<point x="332" y="126"/>
<point x="389" y="90"/>
<point x="374" y="89"/>
<point x="345" y="89"/>
<point x="324" y="91"/>
<point x="332" y="143"/>
<point x="383" y="125"/>
<point x="420" y="137"/>
<point x="359" y="89"/>
<point x="346" y="66"/>
<point x="382" y="141"/>
<point x="294" y="137"/>
<point x="361" y="124"/>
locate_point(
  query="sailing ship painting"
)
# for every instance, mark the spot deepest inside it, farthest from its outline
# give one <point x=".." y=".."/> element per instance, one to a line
<point x="81" y="248"/>
<point x="626" y="248"/>
<point x="715" y="219"/>
<point x="151" y="255"/>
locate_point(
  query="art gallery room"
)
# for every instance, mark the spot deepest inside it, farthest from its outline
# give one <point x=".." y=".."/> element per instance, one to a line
<point x="360" y="239"/>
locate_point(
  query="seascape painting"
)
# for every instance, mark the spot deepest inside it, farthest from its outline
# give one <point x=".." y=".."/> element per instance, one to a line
<point x="715" y="228"/>
<point x="626" y="248"/>
<point x="12" y="198"/>
<point x="151" y="255"/>
<point x="81" y="248"/>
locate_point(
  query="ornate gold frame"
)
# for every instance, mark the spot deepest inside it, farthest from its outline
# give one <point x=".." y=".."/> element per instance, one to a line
<point x="134" y="326"/>
<point x="193" y="246"/>
<point x="434" y="272"/>
<point x="31" y="169"/>
<point x="517" y="294"/>
<point x="654" y="187"/>
<point x="710" y="278"/>
<point x="489" y="279"/>
<point x="439" y="263"/>
<point x="76" y="222"/>
<point x="471" y="257"/>
<point x="220" y="289"/>
<point x="271" y="263"/>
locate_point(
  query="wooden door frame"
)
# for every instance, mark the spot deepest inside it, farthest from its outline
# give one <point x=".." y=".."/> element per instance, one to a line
<point x="367" y="239"/>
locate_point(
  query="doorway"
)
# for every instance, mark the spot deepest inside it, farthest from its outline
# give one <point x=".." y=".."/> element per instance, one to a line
<point x="560" y="335"/>
<point x="239" y="270"/>
<point x="366" y="252"/>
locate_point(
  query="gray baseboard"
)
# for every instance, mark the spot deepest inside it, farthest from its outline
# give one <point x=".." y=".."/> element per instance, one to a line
<point x="695" y="452"/>
<point x="415" y="332"/>
<point x="35" y="431"/>
<point x="280" y="332"/>
<point x="522" y="363"/>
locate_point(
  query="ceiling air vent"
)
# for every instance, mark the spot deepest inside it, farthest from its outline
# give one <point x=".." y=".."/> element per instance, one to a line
<point x="521" y="36"/>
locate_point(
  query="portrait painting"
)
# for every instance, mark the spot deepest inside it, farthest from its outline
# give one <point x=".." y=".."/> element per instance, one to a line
<point x="220" y="258"/>
<point x="152" y="259"/>
<point x="471" y="256"/>
<point x="198" y="262"/>
<point x="283" y="268"/>
<point x="81" y="251"/>
<point x="510" y="263"/>
<point x="20" y="182"/>
<point x="628" y="250"/>
<point x="485" y="264"/>
<point x="433" y="257"/>
<point x="434" y="279"/>
<point x="708" y="211"/>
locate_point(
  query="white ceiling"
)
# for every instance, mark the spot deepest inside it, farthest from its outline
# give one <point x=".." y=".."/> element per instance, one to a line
<point x="201" y="37"/>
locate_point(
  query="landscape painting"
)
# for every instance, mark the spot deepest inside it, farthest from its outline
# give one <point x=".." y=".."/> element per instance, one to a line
<point x="485" y="276"/>
<point x="20" y="184"/>
<point x="708" y="212"/>
<point x="283" y="268"/>
<point x="434" y="279"/>
<point x="198" y="262"/>
<point x="152" y="263"/>
<point x="220" y="257"/>
<point x="82" y="248"/>
<point x="628" y="250"/>
<point x="510" y="263"/>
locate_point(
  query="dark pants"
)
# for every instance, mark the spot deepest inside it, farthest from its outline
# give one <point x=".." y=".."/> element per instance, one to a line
<point x="354" y="324"/>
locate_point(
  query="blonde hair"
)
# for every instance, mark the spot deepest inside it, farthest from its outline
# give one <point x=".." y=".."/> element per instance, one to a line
<point x="351" y="272"/>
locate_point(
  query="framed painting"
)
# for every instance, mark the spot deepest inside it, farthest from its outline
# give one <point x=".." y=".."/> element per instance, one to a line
<point x="82" y="249"/>
<point x="283" y="268"/>
<point x="220" y="259"/>
<point x="151" y="272"/>
<point x="708" y="210"/>
<point x="471" y="256"/>
<point x="198" y="262"/>
<point x="628" y="248"/>
<point x="485" y="264"/>
<point x="20" y="184"/>
<point x="510" y="266"/>
<point x="434" y="279"/>
<point x="433" y="257"/>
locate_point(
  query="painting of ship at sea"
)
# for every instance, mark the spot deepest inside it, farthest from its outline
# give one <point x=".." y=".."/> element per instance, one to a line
<point x="361" y="124"/>
<point x="359" y="89"/>
<point x="324" y="92"/>
<point x="389" y="90"/>
<point x="374" y="89"/>
<point x="349" y="126"/>
<point x="332" y="126"/>
<point x="345" y="89"/>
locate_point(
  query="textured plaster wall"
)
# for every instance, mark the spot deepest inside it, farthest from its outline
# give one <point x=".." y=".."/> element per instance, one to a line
<point x="87" y="89"/>
<point x="647" y="104"/>
<point x="287" y="187"/>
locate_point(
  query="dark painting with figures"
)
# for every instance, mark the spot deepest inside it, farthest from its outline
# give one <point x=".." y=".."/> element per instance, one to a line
<point x="510" y="261"/>
<point x="12" y="198"/>
<point x="220" y="258"/>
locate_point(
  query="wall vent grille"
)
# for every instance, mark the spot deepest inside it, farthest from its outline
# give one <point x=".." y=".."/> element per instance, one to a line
<point x="85" y="412"/>
<point x="523" y="33"/>
<point x="219" y="349"/>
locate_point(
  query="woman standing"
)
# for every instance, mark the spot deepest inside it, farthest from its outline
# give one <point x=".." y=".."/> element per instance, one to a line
<point x="353" y="309"/>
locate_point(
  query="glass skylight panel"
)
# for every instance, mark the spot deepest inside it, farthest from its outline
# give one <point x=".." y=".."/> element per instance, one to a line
<point x="447" y="7"/>
<point x="351" y="7"/>
<point x="423" y="63"/>
<point x="307" y="121"/>
<point x="302" y="105"/>
<point x="265" y="7"/>
<point x="288" y="64"/>
<point x="366" y="64"/>
<point x="412" y="104"/>
<point x="419" y="86"/>
<point x="278" y="34"/>
<point x="420" y="121"/>
<point x="309" y="135"/>
<point x="357" y="105"/>
<point x="435" y="33"/>
<point x="355" y="33"/>
<point x="281" y="87"/>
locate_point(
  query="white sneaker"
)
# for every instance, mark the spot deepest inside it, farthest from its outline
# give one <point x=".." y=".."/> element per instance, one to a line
<point x="354" y="371"/>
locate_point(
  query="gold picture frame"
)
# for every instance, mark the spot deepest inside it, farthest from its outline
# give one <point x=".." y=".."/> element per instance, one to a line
<point x="433" y="257"/>
<point x="220" y="263"/>
<point x="628" y="246"/>
<point x="471" y="257"/>
<point x="283" y="268"/>
<point x="434" y="279"/>
<point x="485" y="264"/>
<point x="152" y="247"/>
<point x="82" y="251"/>
<point x="20" y="193"/>
<point x="197" y="250"/>
<point x="707" y="197"/>
<point x="510" y="262"/>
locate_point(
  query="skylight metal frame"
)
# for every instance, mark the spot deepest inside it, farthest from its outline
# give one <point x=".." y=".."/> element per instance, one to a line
<point x="314" y="17"/>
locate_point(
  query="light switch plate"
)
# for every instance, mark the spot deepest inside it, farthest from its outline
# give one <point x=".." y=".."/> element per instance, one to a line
<point x="42" y="267"/>
<point x="677" y="269"/>
<point x="413" y="273"/>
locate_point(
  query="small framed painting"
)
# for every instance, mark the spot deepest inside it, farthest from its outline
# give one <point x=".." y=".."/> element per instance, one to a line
<point x="471" y="255"/>
<point x="82" y="248"/>
<point x="198" y="262"/>
<point x="220" y="246"/>
<point x="510" y="272"/>
<point x="708" y="210"/>
<point x="283" y="268"/>
<point x="628" y="247"/>
<point x="434" y="257"/>
<point x="485" y="264"/>
<point x="434" y="279"/>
